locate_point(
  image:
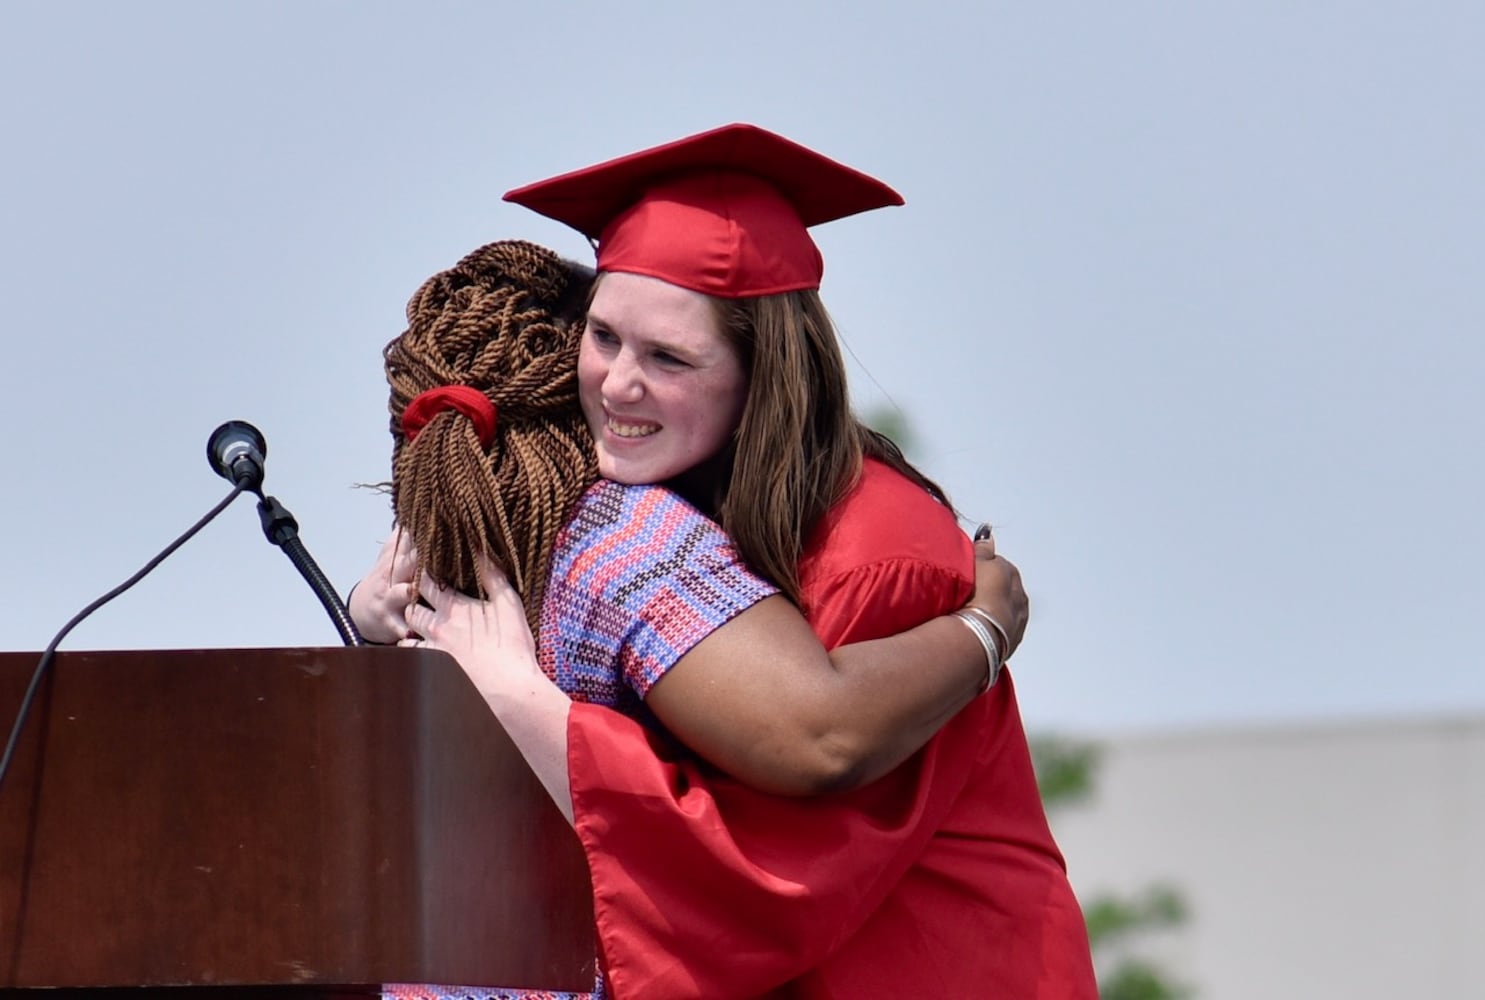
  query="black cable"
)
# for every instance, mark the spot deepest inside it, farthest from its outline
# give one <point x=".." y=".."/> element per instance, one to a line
<point x="51" y="649"/>
<point x="282" y="530"/>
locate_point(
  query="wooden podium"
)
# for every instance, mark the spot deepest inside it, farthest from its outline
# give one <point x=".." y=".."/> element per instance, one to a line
<point x="290" y="820"/>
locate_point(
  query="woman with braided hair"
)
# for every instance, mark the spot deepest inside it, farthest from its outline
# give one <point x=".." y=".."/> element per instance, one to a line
<point x="494" y="337"/>
<point x="708" y="364"/>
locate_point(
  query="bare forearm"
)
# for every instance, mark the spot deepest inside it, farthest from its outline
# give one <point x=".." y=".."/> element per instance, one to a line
<point x="889" y="696"/>
<point x="760" y="699"/>
<point x="534" y="714"/>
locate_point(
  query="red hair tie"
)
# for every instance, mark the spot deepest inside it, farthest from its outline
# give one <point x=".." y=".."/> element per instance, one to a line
<point x="471" y="402"/>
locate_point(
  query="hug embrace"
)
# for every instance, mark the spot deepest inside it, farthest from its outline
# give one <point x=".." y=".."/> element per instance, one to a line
<point x="741" y="641"/>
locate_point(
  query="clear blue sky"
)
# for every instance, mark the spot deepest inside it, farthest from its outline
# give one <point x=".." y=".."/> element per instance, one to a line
<point x="1187" y="299"/>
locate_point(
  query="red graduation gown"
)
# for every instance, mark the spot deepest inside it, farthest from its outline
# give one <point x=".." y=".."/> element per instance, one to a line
<point x="940" y="879"/>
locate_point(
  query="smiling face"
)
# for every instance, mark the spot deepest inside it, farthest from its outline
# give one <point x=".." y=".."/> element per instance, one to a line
<point x="661" y="387"/>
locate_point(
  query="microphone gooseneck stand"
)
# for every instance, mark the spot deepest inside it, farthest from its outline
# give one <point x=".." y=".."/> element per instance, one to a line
<point x="280" y="528"/>
<point x="236" y="451"/>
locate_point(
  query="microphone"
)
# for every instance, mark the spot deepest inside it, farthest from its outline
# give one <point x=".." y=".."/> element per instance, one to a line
<point x="236" y="451"/>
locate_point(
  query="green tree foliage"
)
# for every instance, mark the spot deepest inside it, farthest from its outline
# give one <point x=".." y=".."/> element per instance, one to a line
<point x="1065" y="773"/>
<point x="894" y="423"/>
<point x="1064" y="769"/>
<point x="1138" y="979"/>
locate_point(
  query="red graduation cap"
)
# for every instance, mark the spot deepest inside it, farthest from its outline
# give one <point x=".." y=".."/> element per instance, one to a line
<point x="723" y="212"/>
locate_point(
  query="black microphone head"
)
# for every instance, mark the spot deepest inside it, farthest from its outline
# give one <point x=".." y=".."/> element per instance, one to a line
<point x="236" y="451"/>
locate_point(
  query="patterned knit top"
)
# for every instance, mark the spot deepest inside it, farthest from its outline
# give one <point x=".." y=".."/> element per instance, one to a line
<point x="638" y="578"/>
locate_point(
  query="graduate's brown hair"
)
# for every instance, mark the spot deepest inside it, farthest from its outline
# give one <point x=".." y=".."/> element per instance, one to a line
<point x="798" y="449"/>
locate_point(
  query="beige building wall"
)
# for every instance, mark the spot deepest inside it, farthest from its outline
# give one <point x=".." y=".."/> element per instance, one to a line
<point x="1319" y="861"/>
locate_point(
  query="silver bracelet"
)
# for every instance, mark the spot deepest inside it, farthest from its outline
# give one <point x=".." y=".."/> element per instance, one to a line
<point x="987" y="641"/>
<point x="1005" y="639"/>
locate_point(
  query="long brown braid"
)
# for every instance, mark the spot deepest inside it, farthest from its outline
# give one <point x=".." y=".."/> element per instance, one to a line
<point x="506" y="320"/>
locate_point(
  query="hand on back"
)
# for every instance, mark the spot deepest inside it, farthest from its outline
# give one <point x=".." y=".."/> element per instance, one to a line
<point x="490" y="638"/>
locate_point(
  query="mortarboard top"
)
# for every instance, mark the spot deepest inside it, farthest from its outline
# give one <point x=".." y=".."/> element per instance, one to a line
<point x="723" y="212"/>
